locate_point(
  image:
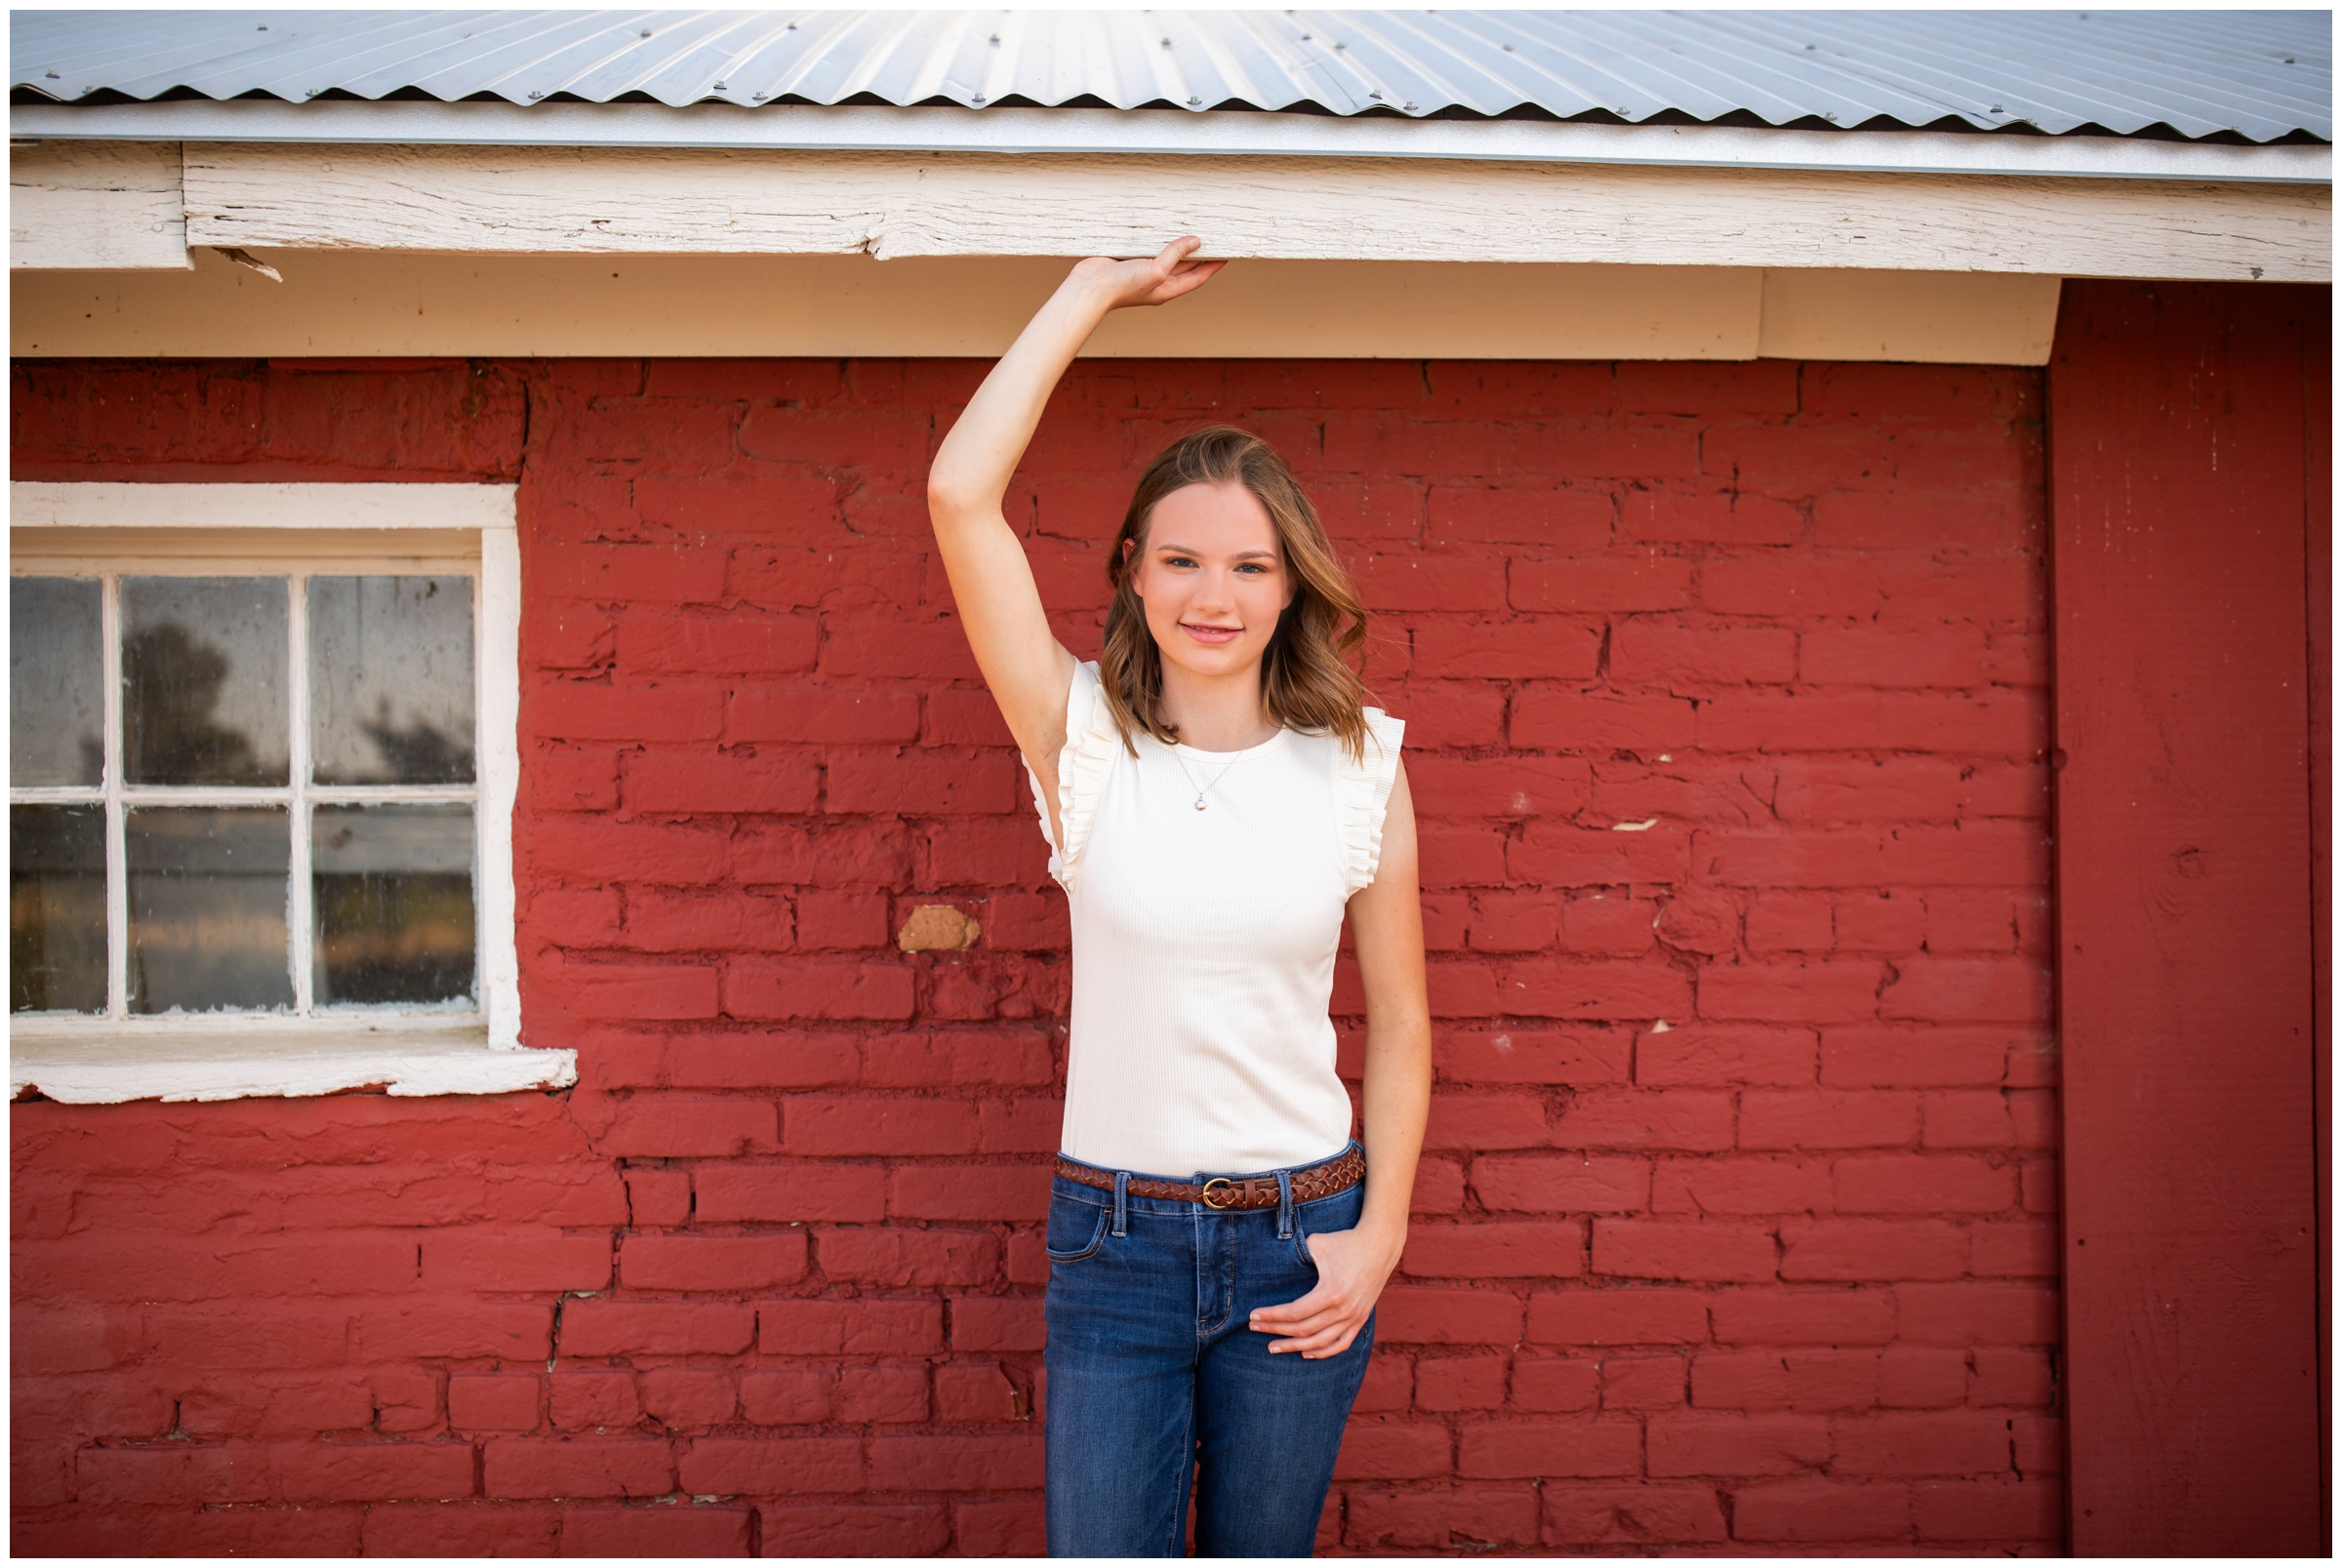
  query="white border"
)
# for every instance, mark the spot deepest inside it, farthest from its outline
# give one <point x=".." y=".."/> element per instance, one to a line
<point x="208" y="1059"/>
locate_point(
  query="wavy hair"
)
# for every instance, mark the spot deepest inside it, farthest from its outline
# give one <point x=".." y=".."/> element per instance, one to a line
<point x="1307" y="680"/>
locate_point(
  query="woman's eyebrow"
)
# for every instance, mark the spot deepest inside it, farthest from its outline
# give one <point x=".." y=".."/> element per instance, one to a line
<point x="1169" y="549"/>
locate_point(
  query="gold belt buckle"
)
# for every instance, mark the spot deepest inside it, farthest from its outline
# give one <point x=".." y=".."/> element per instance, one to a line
<point x="1216" y="1180"/>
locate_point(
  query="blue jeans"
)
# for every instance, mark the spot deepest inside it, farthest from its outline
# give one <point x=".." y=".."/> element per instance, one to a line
<point x="1153" y="1371"/>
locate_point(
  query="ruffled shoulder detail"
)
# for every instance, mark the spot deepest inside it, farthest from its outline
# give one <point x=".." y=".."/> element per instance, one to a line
<point x="1362" y="789"/>
<point x="1091" y="742"/>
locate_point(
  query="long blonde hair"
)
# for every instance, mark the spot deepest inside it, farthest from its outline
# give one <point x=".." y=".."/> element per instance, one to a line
<point x="1307" y="682"/>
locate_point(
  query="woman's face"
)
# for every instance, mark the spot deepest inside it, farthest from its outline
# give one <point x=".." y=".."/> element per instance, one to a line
<point x="1212" y="578"/>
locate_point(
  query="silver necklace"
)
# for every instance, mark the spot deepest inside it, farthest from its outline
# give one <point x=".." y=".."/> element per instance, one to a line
<point x="1200" y="789"/>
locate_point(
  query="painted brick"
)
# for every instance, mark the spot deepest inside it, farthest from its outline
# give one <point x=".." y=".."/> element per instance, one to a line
<point x="583" y="1400"/>
<point x="604" y="1328"/>
<point x="505" y="1403"/>
<point x="766" y="1467"/>
<point x="711" y="1264"/>
<point x="1740" y="1186"/>
<point x="956" y="1464"/>
<point x="1000" y="1527"/>
<point x="1555" y="1383"/>
<point x="667" y="1125"/>
<point x="816" y="989"/>
<point x="1580" y="1183"/>
<point x="882" y="1393"/>
<point x="1922" y="1185"/>
<point x="862" y="1327"/>
<point x="1858" y="794"/>
<point x="578" y="1467"/>
<point x="1454" y="1517"/>
<point x="1523" y="1449"/>
<point x="1951" y="1443"/>
<point x="1873" y="1250"/>
<point x="1459" y="1382"/>
<point x="1379" y="1450"/>
<point x="1988" y="1510"/>
<point x="791" y="1396"/>
<point x="1631" y="1516"/>
<point x="1732" y="1446"/>
<point x="886" y="1256"/>
<point x="734" y="1192"/>
<point x="1710" y="1055"/>
<point x="853" y="1529"/>
<point x="697" y="1531"/>
<point x="1488" y="1249"/>
<point x="1660" y="1249"/>
<point x="676" y="782"/>
<point x="1590" y="1318"/>
<point x="1813" y="1509"/>
<point x="514" y="1259"/>
<point x="682" y="1399"/>
<point x="1424" y="1314"/>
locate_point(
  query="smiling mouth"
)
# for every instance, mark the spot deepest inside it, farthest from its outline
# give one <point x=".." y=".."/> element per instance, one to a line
<point x="1211" y="635"/>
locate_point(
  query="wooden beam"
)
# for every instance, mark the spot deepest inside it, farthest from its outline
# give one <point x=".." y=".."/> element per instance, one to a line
<point x="2180" y="475"/>
<point x="356" y="302"/>
<point x="608" y="201"/>
<point x="110" y="205"/>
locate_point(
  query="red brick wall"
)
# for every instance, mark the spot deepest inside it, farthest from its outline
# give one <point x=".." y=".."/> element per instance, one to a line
<point x="1726" y="702"/>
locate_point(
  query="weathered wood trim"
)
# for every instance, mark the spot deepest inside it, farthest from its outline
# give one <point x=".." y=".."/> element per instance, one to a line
<point x="624" y="201"/>
<point x="96" y="205"/>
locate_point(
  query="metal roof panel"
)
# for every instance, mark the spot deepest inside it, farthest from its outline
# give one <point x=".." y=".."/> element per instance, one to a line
<point x="2252" y="75"/>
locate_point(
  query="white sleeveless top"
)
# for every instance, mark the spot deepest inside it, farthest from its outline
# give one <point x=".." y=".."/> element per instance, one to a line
<point x="1203" y="941"/>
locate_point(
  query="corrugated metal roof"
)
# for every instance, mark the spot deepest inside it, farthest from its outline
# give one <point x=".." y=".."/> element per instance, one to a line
<point x="2255" y="77"/>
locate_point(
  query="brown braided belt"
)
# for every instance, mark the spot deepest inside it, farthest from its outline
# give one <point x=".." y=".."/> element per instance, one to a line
<point x="1310" y="1182"/>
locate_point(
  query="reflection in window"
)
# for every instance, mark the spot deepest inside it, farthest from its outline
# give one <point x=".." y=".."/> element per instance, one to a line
<point x="57" y="908"/>
<point x="56" y="682"/>
<point x="204" y="680"/>
<point x="390" y="681"/>
<point x="178" y="779"/>
<point x="393" y="906"/>
<point x="207" y="908"/>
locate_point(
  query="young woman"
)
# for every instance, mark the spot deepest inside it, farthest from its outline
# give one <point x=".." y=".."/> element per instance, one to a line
<point x="1219" y="799"/>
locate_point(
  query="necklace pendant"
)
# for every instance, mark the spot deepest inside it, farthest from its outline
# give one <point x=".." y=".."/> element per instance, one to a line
<point x="1199" y="803"/>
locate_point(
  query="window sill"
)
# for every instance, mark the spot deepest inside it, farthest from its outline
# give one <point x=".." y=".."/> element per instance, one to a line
<point x="180" y="1059"/>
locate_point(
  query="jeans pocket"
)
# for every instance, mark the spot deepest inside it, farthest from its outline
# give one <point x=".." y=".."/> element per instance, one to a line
<point x="1341" y="1212"/>
<point x="1075" y="1229"/>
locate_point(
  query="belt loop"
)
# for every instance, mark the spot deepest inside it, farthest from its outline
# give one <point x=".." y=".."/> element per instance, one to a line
<point x="1284" y="1205"/>
<point x="1121" y="1202"/>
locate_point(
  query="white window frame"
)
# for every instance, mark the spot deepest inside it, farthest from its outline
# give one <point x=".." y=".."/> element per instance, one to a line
<point x="86" y="1060"/>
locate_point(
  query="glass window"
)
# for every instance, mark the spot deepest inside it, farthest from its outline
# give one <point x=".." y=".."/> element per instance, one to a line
<point x="278" y="768"/>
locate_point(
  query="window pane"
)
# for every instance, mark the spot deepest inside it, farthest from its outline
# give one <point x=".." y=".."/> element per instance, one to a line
<point x="203" y="680"/>
<point x="394" y="907"/>
<point x="57" y="908"/>
<point x="55" y="681"/>
<point x="391" y="680"/>
<point x="208" y="890"/>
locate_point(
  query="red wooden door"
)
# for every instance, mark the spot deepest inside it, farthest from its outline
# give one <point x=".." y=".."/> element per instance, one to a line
<point x="2181" y="454"/>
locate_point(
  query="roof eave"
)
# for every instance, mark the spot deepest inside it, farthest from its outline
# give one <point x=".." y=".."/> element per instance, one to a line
<point x="1167" y="132"/>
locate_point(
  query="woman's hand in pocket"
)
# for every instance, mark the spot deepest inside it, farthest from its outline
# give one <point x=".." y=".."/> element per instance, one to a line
<point x="1352" y="1269"/>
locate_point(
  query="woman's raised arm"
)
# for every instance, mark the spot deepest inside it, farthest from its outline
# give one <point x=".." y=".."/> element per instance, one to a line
<point x="1025" y="667"/>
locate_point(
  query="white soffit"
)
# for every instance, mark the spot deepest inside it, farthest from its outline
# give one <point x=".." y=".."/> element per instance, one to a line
<point x="355" y="304"/>
<point x="815" y="128"/>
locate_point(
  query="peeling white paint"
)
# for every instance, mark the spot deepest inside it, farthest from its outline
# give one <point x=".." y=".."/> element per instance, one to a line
<point x="185" y="1063"/>
<point x="1642" y="827"/>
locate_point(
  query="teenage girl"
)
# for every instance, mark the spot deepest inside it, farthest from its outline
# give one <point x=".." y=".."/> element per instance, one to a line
<point x="1218" y="799"/>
